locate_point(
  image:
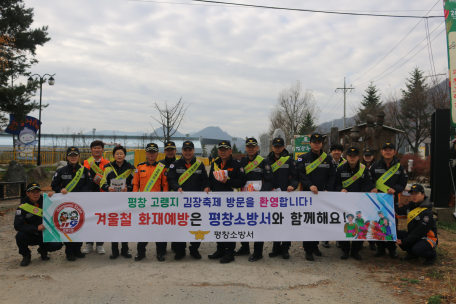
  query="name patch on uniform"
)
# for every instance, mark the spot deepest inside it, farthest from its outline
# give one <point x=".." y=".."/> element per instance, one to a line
<point x="29" y="215"/>
<point x="66" y="177"/>
<point x="345" y="175"/>
<point x="143" y="171"/>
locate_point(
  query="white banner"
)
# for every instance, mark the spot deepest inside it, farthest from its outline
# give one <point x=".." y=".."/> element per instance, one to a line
<point x="218" y="217"/>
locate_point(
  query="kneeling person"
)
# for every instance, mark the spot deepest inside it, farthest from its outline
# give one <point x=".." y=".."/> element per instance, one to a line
<point x="352" y="177"/>
<point x="29" y="225"/>
<point x="420" y="239"/>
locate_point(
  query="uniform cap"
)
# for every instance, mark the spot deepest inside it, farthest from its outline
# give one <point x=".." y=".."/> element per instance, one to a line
<point x="278" y="141"/>
<point x="316" y="136"/>
<point x="72" y="150"/>
<point x="152" y="147"/>
<point x="368" y="152"/>
<point x="353" y="150"/>
<point x="416" y="188"/>
<point x="33" y="186"/>
<point x="224" y="144"/>
<point x="170" y="145"/>
<point x="188" y="144"/>
<point x="251" y="142"/>
<point x="389" y="145"/>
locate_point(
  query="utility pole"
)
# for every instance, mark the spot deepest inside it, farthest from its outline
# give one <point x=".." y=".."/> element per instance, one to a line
<point x="345" y="89"/>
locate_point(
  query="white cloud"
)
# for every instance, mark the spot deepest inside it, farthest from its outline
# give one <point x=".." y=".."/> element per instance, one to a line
<point x="113" y="58"/>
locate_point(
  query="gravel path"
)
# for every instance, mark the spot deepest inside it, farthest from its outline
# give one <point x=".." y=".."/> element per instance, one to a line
<point x="97" y="279"/>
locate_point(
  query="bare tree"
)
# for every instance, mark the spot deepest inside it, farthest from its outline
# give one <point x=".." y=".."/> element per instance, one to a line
<point x="170" y="119"/>
<point x="292" y="107"/>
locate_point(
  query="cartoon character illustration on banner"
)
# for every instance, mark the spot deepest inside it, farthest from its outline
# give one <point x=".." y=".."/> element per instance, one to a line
<point x="25" y="130"/>
<point x="26" y="142"/>
<point x="63" y="217"/>
<point x="350" y="228"/>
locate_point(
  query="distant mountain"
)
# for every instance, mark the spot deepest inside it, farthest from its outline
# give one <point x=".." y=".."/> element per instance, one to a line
<point x="120" y="133"/>
<point x="213" y="132"/>
<point x="339" y="123"/>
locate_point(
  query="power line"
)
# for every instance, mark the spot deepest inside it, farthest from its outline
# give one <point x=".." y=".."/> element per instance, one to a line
<point x="328" y="101"/>
<point x="335" y="108"/>
<point x="352" y="82"/>
<point x="302" y="10"/>
<point x="372" y="79"/>
<point x="407" y="59"/>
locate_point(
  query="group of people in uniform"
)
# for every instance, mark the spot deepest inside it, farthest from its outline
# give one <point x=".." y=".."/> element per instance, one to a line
<point x="315" y="171"/>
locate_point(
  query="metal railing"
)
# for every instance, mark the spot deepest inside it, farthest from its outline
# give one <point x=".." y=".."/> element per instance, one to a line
<point x="51" y="156"/>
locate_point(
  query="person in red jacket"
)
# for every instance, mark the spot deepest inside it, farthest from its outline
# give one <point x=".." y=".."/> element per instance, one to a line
<point x="96" y="165"/>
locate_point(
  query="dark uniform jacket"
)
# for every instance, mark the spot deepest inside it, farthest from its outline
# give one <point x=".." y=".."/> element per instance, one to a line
<point x="26" y="221"/>
<point x="236" y="174"/>
<point x="422" y="226"/>
<point x="263" y="173"/>
<point x="64" y="175"/>
<point x="397" y="181"/>
<point x="362" y="184"/>
<point x="110" y="173"/>
<point x="198" y="181"/>
<point x="286" y="175"/>
<point x="323" y="177"/>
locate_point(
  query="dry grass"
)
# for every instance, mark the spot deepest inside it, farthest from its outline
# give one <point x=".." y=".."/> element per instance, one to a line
<point x="415" y="283"/>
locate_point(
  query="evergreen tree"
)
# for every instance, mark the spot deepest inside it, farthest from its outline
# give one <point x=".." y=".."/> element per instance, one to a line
<point x="18" y="42"/>
<point x="415" y="110"/>
<point x="308" y="125"/>
<point x="370" y="104"/>
<point x="204" y="151"/>
<point x="235" y="149"/>
<point x="214" y="152"/>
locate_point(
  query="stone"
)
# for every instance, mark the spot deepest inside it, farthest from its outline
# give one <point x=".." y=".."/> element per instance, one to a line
<point x="15" y="173"/>
<point x="264" y="145"/>
<point x="36" y="174"/>
<point x="50" y="174"/>
<point x="61" y="164"/>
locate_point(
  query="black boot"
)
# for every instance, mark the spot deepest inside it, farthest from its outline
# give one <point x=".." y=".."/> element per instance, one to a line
<point x="26" y="259"/>
<point x="114" y="255"/>
<point x="372" y="246"/>
<point x="242" y="251"/>
<point x="125" y="253"/>
<point x="255" y="257"/>
<point x="285" y="254"/>
<point x="393" y="254"/>
<point x="309" y="256"/>
<point x="216" y="255"/>
<point x="179" y="255"/>
<point x="227" y="258"/>
<point x="44" y="254"/>
<point x="317" y="252"/>
<point x="325" y="244"/>
<point x="431" y="261"/>
<point x="276" y="251"/>
<point x="79" y="255"/>
<point x="379" y="252"/>
<point x="409" y="257"/>
<point x="195" y="254"/>
<point x="71" y="257"/>
<point x="344" y="255"/>
<point x="356" y="256"/>
<point x="141" y="255"/>
<point x="160" y="256"/>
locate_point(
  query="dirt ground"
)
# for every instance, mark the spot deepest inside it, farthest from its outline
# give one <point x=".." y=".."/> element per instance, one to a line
<point x="97" y="279"/>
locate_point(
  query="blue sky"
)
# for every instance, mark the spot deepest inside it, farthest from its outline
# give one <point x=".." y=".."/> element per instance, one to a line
<point x="113" y="58"/>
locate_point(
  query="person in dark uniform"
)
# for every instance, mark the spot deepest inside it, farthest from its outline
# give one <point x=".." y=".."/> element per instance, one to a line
<point x="368" y="160"/>
<point x="420" y="239"/>
<point x="285" y="179"/>
<point x="196" y="182"/>
<point x="28" y="223"/>
<point x="346" y="183"/>
<point x="96" y="165"/>
<point x="237" y="179"/>
<point x="390" y="166"/>
<point x="72" y="178"/>
<point x="142" y="183"/>
<point x="170" y="150"/>
<point x="336" y="153"/>
<point x="317" y="172"/>
<point x="122" y="170"/>
<point x="257" y="169"/>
